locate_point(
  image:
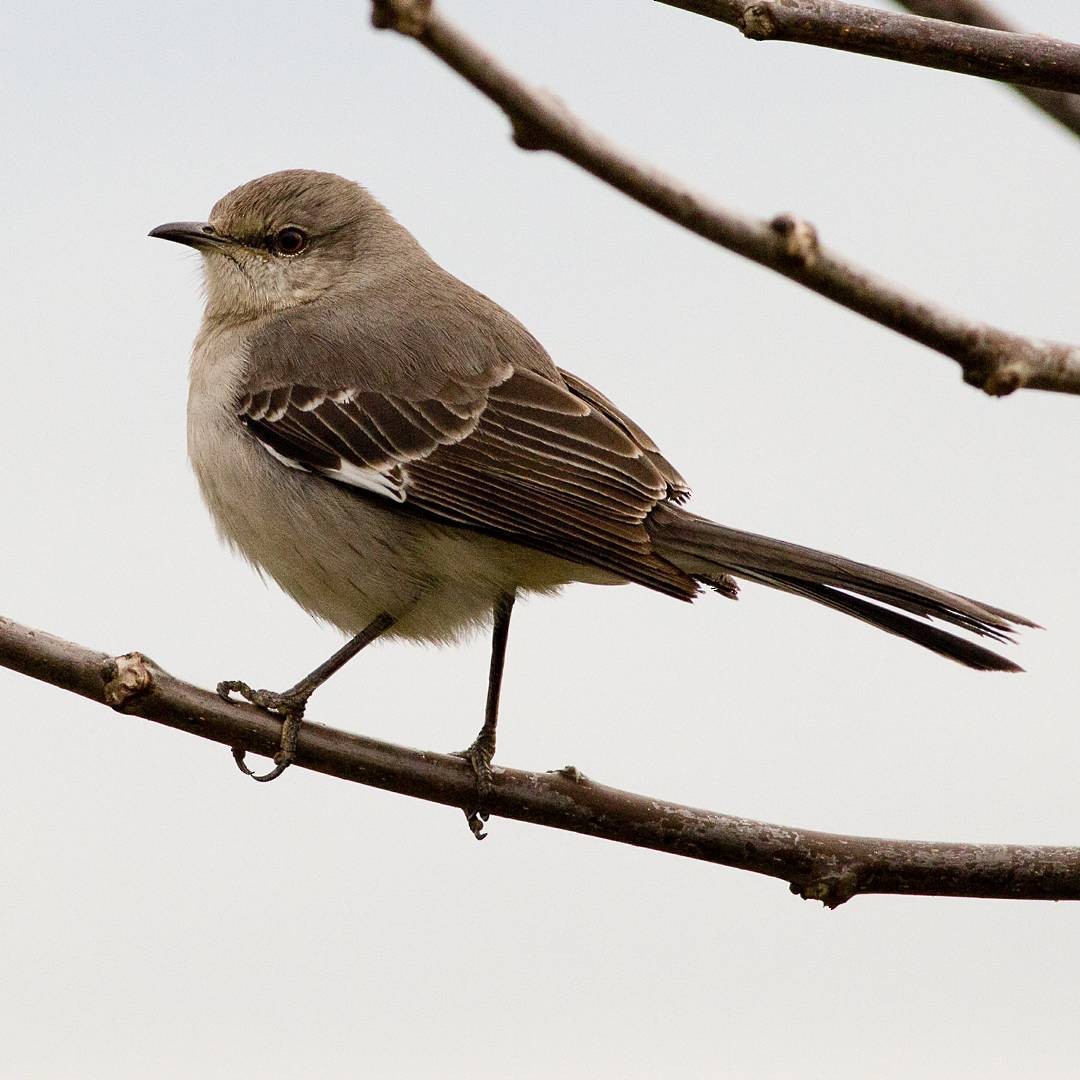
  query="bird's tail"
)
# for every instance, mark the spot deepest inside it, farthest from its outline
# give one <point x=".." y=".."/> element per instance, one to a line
<point x="709" y="553"/>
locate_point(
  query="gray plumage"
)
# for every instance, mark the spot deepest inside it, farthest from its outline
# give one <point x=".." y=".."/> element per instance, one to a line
<point x="379" y="437"/>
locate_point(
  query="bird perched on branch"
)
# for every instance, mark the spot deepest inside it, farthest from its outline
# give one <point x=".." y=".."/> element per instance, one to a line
<point x="403" y="457"/>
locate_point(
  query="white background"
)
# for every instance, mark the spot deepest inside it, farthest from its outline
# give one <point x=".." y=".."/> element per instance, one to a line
<point x="160" y="916"/>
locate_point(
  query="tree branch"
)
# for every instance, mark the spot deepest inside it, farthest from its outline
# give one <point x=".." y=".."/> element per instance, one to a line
<point x="819" y="866"/>
<point x="1063" y="107"/>
<point x="954" y="35"/>
<point x="968" y="48"/>
<point x="994" y="360"/>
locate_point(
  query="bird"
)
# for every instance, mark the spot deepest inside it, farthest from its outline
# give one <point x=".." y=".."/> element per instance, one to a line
<point x="405" y="459"/>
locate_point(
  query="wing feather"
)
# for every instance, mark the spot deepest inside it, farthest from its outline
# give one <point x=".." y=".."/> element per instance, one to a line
<point x="544" y="461"/>
<point x="678" y="489"/>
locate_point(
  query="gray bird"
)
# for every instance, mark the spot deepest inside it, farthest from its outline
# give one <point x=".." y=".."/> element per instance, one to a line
<point x="402" y="456"/>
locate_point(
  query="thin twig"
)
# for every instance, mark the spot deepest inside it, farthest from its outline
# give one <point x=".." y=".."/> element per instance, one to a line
<point x="819" y="866"/>
<point x="994" y="360"/>
<point x="1006" y="56"/>
<point x="1063" y="107"/>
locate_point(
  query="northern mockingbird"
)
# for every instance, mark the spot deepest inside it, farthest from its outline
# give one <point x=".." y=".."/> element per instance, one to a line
<point x="402" y="456"/>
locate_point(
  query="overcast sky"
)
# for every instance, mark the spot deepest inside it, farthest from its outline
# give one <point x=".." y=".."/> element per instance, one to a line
<point x="164" y="917"/>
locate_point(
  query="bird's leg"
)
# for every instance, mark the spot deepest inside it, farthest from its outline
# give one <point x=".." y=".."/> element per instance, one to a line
<point x="291" y="703"/>
<point x="480" y="754"/>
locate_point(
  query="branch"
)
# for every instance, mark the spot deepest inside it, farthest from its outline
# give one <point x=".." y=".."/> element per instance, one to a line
<point x="818" y="866"/>
<point x="999" y="53"/>
<point x="1063" y="107"/>
<point x="953" y="35"/>
<point x="994" y="360"/>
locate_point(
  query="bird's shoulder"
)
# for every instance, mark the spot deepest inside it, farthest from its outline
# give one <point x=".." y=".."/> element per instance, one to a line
<point x="410" y="332"/>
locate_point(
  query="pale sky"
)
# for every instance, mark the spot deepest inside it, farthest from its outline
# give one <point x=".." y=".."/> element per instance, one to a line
<point x="164" y="917"/>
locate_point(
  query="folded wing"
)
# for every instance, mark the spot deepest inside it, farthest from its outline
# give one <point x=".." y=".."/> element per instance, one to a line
<point x="549" y="464"/>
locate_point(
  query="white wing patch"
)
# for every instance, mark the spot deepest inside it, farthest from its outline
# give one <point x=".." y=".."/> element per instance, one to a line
<point x="389" y="485"/>
<point x="386" y="484"/>
<point x="281" y="457"/>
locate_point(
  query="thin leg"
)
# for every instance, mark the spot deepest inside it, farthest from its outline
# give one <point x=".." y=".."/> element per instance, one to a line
<point x="292" y="703"/>
<point x="482" y="751"/>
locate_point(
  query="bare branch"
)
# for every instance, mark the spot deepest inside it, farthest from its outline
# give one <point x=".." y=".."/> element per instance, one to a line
<point x="1000" y="54"/>
<point x="1063" y="107"/>
<point x="965" y="36"/>
<point x="994" y="360"/>
<point x="819" y="866"/>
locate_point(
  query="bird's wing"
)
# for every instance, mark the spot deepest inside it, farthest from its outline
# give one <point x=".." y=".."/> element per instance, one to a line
<point x="544" y="461"/>
<point x="678" y="490"/>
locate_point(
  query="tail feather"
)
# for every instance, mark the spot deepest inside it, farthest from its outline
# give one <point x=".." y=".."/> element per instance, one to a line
<point x="892" y="622"/>
<point x="708" y="552"/>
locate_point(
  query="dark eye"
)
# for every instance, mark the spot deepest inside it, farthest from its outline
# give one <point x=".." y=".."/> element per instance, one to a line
<point x="288" y="241"/>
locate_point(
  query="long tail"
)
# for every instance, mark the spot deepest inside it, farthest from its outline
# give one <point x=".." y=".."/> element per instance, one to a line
<point x="709" y="552"/>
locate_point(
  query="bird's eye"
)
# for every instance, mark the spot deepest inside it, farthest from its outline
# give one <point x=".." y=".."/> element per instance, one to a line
<point x="288" y="241"/>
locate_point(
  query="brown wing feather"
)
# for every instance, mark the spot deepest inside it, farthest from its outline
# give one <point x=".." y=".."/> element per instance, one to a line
<point x="551" y="465"/>
<point x="678" y="489"/>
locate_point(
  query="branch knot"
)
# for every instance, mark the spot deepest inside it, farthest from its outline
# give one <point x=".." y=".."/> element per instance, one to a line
<point x="528" y="136"/>
<point x="126" y="677"/>
<point x="758" y="22"/>
<point x="409" y="17"/>
<point x="832" y="889"/>
<point x="799" y="238"/>
<point x="998" y="363"/>
<point x="571" y="773"/>
<point x="999" y="381"/>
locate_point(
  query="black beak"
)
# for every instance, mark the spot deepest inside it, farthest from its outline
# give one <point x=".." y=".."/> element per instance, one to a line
<point x="196" y="234"/>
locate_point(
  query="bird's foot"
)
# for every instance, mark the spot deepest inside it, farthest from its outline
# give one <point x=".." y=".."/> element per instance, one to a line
<point x="289" y="705"/>
<point x="479" y="756"/>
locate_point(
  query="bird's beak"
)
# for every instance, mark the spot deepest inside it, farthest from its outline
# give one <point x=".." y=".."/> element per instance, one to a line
<point x="196" y="234"/>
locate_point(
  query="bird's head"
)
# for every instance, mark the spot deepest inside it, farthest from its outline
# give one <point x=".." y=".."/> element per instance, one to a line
<point x="286" y="239"/>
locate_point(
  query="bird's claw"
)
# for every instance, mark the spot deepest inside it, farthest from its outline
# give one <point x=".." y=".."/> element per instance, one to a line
<point x="479" y="756"/>
<point x="271" y="700"/>
<point x="289" y="706"/>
